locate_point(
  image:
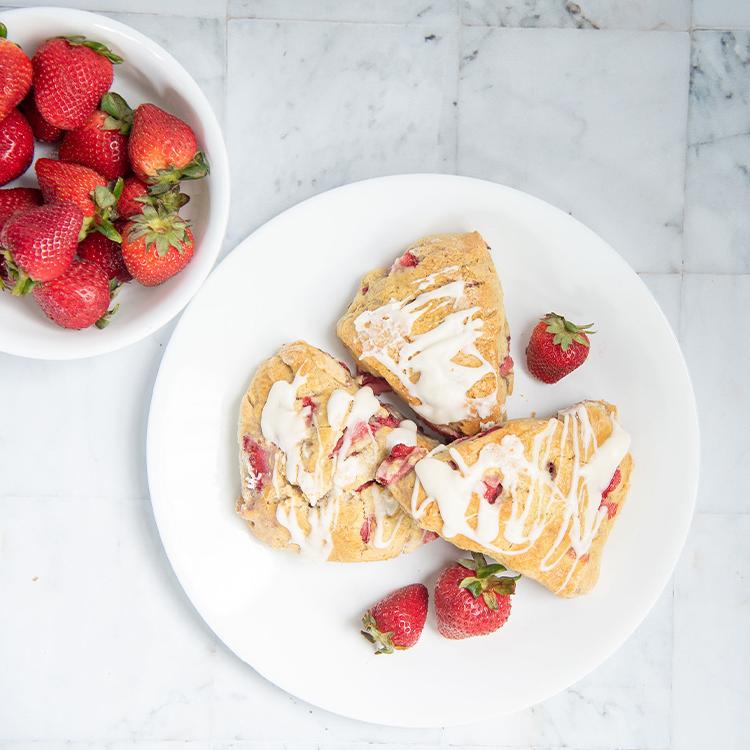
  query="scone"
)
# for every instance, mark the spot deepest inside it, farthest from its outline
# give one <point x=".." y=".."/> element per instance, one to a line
<point x="310" y="441"/>
<point x="434" y="326"/>
<point x="538" y="495"/>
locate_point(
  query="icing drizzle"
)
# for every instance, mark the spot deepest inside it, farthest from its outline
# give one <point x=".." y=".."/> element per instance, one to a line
<point x="424" y="362"/>
<point x="532" y="491"/>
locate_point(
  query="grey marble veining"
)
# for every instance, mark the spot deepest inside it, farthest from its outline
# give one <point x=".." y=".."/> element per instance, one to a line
<point x="533" y="113"/>
<point x="579" y="14"/>
<point x="717" y="192"/>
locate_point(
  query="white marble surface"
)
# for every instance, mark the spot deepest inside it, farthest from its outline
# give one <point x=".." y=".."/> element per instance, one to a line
<point x="633" y="116"/>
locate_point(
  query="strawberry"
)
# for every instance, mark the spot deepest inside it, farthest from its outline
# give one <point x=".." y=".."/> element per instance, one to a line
<point x="557" y="347"/>
<point x="106" y="254"/>
<point x="135" y="195"/>
<point x="71" y="74"/>
<point x="163" y="149"/>
<point x="101" y="143"/>
<point x="129" y="204"/>
<point x="39" y="243"/>
<point x="156" y="245"/>
<point x="61" y="182"/>
<point x="609" y="504"/>
<point x="16" y="199"/>
<point x="397" y="620"/>
<point x="16" y="146"/>
<point x="77" y="299"/>
<point x="42" y="130"/>
<point x="471" y="600"/>
<point x="15" y="74"/>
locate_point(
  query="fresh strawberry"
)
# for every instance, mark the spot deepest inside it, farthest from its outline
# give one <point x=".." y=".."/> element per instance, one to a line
<point x="17" y="199"/>
<point x="77" y="299"/>
<point x="106" y="254"/>
<point x="397" y="620"/>
<point x="101" y="143"/>
<point x="136" y="195"/>
<point x="129" y="204"/>
<point x="42" y="130"/>
<point x="15" y="74"/>
<point x="156" y="245"/>
<point x="16" y="146"/>
<point x="557" y="347"/>
<point x="63" y="182"/>
<point x="163" y="149"/>
<point x="470" y="599"/>
<point x="39" y="243"/>
<point x="71" y="74"/>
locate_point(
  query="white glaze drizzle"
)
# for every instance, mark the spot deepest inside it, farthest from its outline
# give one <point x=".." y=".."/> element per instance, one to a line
<point x="452" y="489"/>
<point x="286" y="427"/>
<point x="385" y="505"/>
<point x="432" y="278"/>
<point x="317" y="543"/>
<point x="404" y="434"/>
<point x="441" y="384"/>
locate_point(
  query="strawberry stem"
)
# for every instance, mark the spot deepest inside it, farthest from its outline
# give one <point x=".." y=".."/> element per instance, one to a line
<point x="76" y="40"/>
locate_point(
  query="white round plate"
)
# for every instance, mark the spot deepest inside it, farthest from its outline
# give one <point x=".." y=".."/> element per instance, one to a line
<point x="295" y="621"/>
<point x="148" y="74"/>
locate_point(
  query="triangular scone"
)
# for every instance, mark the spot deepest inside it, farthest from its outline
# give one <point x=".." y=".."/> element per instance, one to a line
<point x="539" y="495"/>
<point x="434" y="326"/>
<point x="310" y="441"/>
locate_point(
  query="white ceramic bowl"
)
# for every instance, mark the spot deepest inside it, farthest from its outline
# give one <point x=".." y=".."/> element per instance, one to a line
<point x="148" y="73"/>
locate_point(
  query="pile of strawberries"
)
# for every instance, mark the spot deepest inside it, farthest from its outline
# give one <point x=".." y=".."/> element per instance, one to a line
<point x="107" y="210"/>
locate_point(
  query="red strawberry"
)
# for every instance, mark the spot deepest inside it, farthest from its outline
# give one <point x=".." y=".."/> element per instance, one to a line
<point x="106" y="254"/>
<point x="397" y="620"/>
<point x="39" y="243"/>
<point x="156" y="245"/>
<point x="377" y="384"/>
<point x="163" y="149"/>
<point x="62" y="182"/>
<point x="42" y="130"/>
<point x="471" y="600"/>
<point x="101" y="143"/>
<point x="77" y="299"/>
<point x="71" y="74"/>
<point x="258" y="464"/>
<point x="16" y="146"/>
<point x="557" y="347"/>
<point x="15" y="199"/>
<point x="132" y="189"/>
<point x="15" y="74"/>
<point x="135" y="195"/>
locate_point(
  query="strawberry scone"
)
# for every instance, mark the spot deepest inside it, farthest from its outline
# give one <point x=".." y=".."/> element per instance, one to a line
<point x="434" y="327"/>
<point x="538" y="495"/>
<point x="310" y="441"/>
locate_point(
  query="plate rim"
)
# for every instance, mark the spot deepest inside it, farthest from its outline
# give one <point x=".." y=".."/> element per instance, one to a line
<point x="679" y="535"/>
<point x="220" y="189"/>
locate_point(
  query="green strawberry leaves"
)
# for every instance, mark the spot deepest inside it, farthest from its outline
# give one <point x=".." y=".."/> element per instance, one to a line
<point x="159" y="228"/>
<point x="105" y="199"/>
<point x="119" y="114"/>
<point x="370" y="630"/>
<point x="484" y="582"/>
<point x="165" y="179"/>
<point x="76" y="40"/>
<point x="564" y="332"/>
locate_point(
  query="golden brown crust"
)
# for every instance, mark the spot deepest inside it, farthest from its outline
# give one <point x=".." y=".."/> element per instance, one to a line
<point x="356" y="525"/>
<point x="440" y="260"/>
<point x="570" y="576"/>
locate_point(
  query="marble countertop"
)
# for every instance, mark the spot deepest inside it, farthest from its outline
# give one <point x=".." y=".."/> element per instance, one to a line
<point x="634" y="116"/>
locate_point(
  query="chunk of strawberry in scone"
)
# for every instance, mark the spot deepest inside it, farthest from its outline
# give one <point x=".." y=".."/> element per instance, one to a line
<point x="399" y="463"/>
<point x="407" y="260"/>
<point x="378" y="385"/>
<point x="609" y="504"/>
<point x="258" y="464"/>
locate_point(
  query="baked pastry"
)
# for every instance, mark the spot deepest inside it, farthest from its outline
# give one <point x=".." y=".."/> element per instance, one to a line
<point x="538" y="495"/>
<point x="434" y="326"/>
<point x="310" y="441"/>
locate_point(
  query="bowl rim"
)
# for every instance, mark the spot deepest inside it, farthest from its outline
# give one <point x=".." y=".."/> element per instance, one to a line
<point x="218" y="214"/>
